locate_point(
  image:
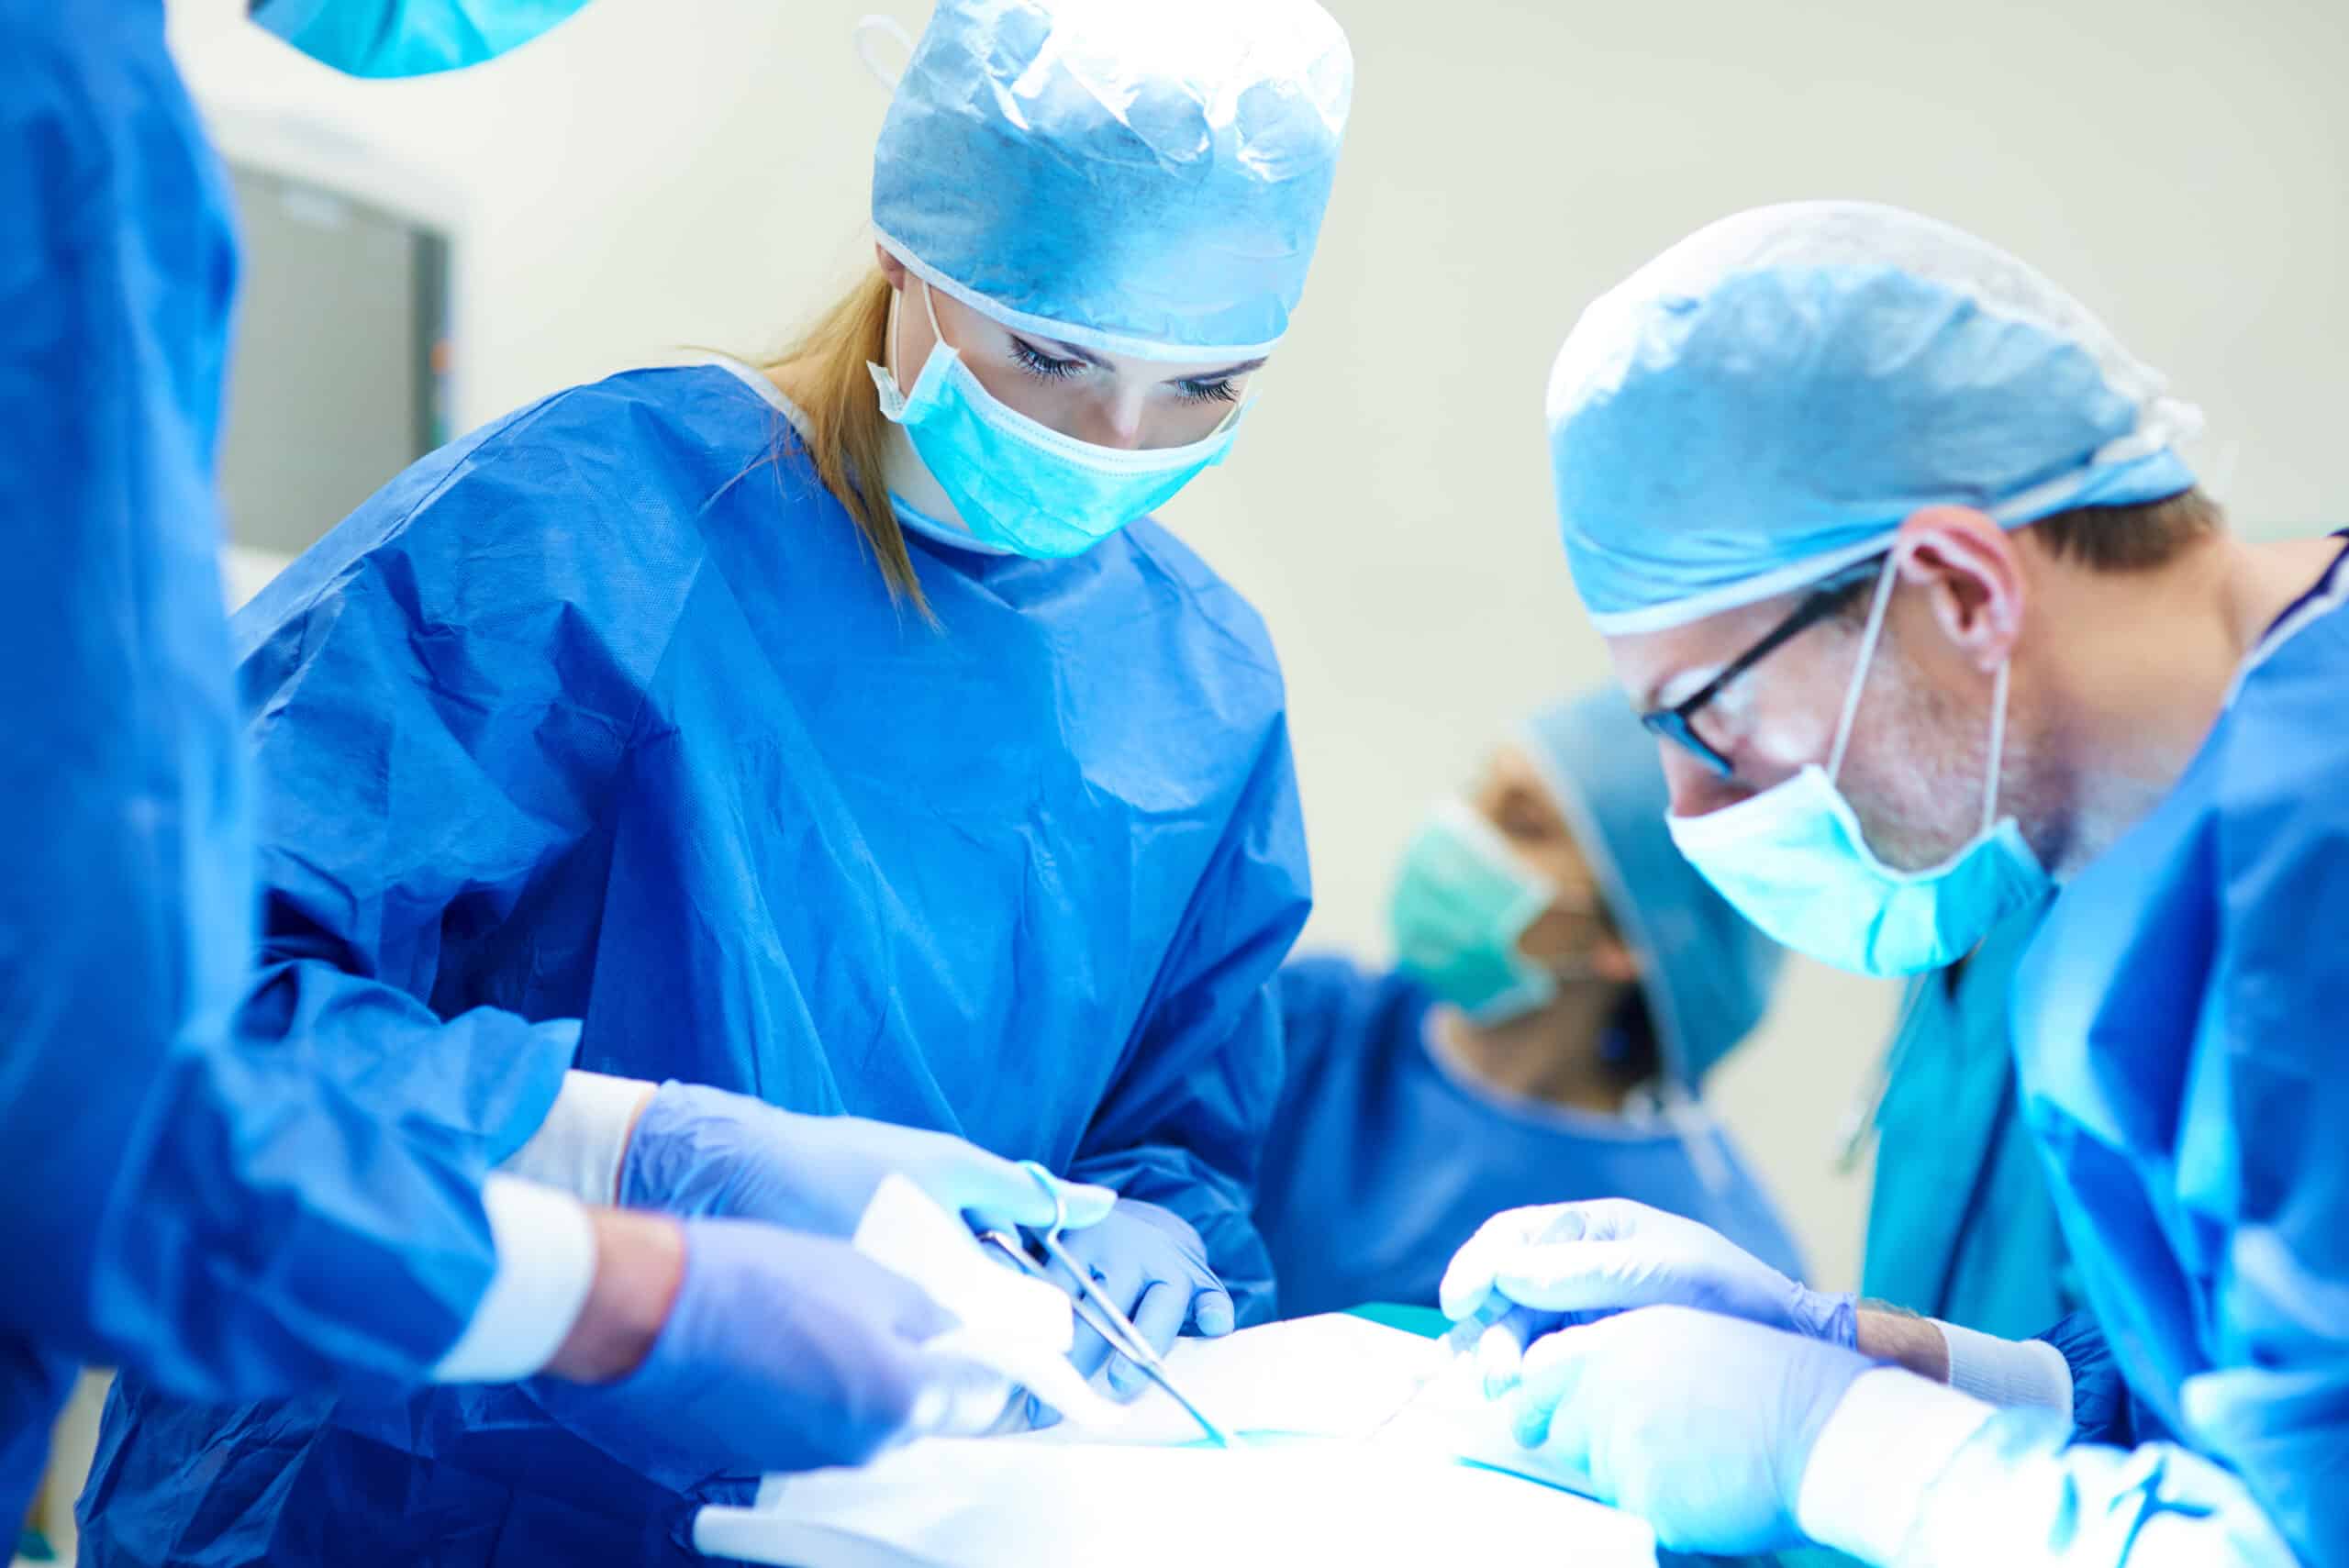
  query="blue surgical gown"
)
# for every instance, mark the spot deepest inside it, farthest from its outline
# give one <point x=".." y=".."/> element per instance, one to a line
<point x="602" y="721"/>
<point x="1384" y="1157"/>
<point x="205" y="1208"/>
<point x="2177" y="1034"/>
<point x="34" y="1383"/>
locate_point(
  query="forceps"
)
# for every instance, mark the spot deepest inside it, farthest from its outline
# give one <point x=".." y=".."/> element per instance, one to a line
<point x="1096" y="1311"/>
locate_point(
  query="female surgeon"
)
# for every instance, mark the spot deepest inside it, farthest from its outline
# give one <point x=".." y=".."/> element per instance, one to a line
<point x="842" y="735"/>
<point x="1566" y="980"/>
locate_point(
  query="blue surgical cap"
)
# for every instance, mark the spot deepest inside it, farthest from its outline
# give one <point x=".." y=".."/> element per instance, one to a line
<point x="1767" y="401"/>
<point x="1135" y="178"/>
<point x="1706" y="970"/>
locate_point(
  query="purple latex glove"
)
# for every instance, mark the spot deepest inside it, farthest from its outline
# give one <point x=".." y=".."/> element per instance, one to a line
<point x="781" y="1352"/>
<point x="1154" y="1267"/>
<point x="698" y="1150"/>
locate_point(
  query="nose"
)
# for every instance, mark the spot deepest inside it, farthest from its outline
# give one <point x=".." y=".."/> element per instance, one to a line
<point x="1115" y="420"/>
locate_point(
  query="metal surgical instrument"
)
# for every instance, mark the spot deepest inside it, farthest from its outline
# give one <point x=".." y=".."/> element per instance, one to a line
<point x="1096" y="1310"/>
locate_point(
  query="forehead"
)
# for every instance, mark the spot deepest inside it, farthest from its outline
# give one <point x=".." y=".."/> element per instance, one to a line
<point x="1509" y="766"/>
<point x="1163" y="369"/>
<point x="1659" y="668"/>
<point x="1125" y="365"/>
<point x="1511" y="776"/>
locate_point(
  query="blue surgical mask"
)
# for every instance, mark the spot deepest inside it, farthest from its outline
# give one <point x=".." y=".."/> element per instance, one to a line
<point x="407" y="38"/>
<point x="1461" y="902"/>
<point x="1794" y="861"/>
<point x="1022" y="485"/>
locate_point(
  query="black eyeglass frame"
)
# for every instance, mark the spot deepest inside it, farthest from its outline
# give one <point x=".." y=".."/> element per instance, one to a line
<point x="1676" y="723"/>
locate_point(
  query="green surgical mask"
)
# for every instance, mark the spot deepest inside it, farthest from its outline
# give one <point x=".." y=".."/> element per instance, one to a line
<point x="1461" y="902"/>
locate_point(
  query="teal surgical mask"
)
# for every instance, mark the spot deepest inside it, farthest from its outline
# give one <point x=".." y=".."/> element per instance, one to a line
<point x="1022" y="485"/>
<point x="1794" y="861"/>
<point x="1462" y="900"/>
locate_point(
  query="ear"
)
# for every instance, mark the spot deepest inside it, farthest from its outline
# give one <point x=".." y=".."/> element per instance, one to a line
<point x="891" y="268"/>
<point x="1972" y="576"/>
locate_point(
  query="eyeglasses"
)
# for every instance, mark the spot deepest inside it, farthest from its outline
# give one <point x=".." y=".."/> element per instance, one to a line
<point x="1676" y="723"/>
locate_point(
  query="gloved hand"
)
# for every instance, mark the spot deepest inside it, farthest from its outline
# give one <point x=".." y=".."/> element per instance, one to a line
<point x="699" y="1150"/>
<point x="1153" y="1265"/>
<point x="1699" y="1423"/>
<point x="780" y="1351"/>
<point x="1529" y="1271"/>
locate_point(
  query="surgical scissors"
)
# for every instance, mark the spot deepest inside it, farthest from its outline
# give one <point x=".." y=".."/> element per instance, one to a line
<point x="1096" y="1311"/>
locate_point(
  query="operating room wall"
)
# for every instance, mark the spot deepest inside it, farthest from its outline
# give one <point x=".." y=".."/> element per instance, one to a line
<point x="659" y="173"/>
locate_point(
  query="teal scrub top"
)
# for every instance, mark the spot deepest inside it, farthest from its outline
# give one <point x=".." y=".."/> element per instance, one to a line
<point x="1959" y="1225"/>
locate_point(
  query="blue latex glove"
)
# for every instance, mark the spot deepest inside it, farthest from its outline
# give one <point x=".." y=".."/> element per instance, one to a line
<point x="1527" y="1271"/>
<point x="1153" y="1265"/>
<point x="781" y="1352"/>
<point x="1699" y="1423"/>
<point x="698" y="1150"/>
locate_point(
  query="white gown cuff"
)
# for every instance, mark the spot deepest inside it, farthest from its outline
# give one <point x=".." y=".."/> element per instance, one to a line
<point x="579" y="1146"/>
<point x="1890" y="1438"/>
<point x="2007" y="1372"/>
<point x="546" y="1262"/>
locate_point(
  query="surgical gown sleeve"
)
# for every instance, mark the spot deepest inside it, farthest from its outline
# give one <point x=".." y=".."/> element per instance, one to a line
<point x="122" y="914"/>
<point x="1184" y="1122"/>
<point x="176" y="1203"/>
<point x="2102" y="1411"/>
<point x="2266" y="1104"/>
<point x="33" y="1386"/>
<point x="440" y="692"/>
<point x="2178" y="1028"/>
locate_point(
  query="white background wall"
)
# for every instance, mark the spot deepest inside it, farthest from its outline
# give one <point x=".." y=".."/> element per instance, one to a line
<point x="662" y="172"/>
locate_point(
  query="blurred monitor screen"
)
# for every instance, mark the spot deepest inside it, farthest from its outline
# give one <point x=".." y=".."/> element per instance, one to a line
<point x="337" y="379"/>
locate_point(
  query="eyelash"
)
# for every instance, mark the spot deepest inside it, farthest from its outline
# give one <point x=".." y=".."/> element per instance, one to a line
<point x="1049" y="367"/>
<point x="1041" y="365"/>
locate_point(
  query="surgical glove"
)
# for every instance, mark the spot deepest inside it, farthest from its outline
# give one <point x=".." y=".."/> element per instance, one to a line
<point x="781" y="1352"/>
<point x="1154" y="1267"/>
<point x="1699" y="1423"/>
<point x="1529" y="1271"/>
<point x="699" y="1150"/>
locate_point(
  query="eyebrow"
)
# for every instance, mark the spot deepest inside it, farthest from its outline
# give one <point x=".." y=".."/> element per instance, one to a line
<point x="1071" y="351"/>
<point x="1687" y="683"/>
<point x="1074" y="352"/>
<point x="1227" y="372"/>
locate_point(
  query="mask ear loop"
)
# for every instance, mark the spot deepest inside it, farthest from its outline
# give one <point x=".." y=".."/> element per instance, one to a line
<point x="1998" y="744"/>
<point x="938" y="338"/>
<point x="929" y="303"/>
<point x="896" y="305"/>
<point x="1860" y="676"/>
<point x="862" y="35"/>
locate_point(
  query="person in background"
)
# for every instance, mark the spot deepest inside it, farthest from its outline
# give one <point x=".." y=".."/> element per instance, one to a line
<point x="1893" y="541"/>
<point x="712" y="755"/>
<point x="1566" y="982"/>
<point x="212" y="1205"/>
